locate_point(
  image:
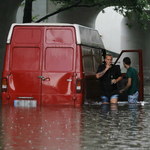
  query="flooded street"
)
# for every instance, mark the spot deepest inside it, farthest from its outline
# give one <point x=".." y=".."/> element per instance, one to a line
<point x="124" y="128"/>
<point x="65" y="128"/>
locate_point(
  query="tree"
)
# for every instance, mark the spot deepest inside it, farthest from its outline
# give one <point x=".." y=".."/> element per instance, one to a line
<point x="27" y="11"/>
<point x="126" y="7"/>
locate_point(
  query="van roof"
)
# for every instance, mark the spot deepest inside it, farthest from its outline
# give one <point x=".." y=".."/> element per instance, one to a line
<point x="82" y="33"/>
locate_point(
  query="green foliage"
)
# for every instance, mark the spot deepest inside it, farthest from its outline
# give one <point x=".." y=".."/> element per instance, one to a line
<point x="132" y="9"/>
<point x="138" y="11"/>
<point x="34" y="18"/>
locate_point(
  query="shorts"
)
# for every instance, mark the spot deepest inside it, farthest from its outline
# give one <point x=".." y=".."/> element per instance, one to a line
<point x="133" y="98"/>
<point x="106" y="99"/>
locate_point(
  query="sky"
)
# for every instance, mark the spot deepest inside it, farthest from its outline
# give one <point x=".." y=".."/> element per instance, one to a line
<point x="109" y="26"/>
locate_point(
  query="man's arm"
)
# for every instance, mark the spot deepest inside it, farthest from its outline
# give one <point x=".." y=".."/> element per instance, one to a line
<point x="100" y="74"/>
<point x="119" y="76"/>
<point x="127" y="86"/>
<point x="114" y="81"/>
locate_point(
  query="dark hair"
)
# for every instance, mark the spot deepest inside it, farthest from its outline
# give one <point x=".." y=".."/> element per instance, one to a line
<point x="127" y="60"/>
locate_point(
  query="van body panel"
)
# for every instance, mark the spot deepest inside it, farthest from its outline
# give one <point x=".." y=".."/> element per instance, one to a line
<point x="55" y="86"/>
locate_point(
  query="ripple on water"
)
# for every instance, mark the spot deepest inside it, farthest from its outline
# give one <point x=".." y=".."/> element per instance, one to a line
<point x="90" y="128"/>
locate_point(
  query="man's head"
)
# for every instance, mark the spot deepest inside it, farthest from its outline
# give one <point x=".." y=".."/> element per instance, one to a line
<point x="126" y="62"/>
<point x="108" y="59"/>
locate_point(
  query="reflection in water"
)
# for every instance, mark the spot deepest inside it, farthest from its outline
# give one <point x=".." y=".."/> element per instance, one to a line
<point x="65" y="128"/>
<point x="40" y="128"/>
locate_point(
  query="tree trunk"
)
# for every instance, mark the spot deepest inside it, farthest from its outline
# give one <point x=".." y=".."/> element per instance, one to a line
<point x="27" y="11"/>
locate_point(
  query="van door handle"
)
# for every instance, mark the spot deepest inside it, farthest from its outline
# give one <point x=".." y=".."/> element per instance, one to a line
<point x="41" y="77"/>
<point x="69" y="80"/>
<point x="44" y="78"/>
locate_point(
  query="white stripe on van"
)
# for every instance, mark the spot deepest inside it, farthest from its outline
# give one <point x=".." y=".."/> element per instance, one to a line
<point x="82" y="33"/>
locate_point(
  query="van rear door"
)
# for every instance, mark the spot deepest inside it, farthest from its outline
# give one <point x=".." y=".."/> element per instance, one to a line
<point x="25" y="64"/>
<point x="58" y="72"/>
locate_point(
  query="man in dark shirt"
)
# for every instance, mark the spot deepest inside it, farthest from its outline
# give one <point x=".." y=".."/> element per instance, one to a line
<point x="109" y="76"/>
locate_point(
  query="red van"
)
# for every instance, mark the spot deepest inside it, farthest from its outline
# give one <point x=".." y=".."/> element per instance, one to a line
<point x="50" y="64"/>
<point x="55" y="64"/>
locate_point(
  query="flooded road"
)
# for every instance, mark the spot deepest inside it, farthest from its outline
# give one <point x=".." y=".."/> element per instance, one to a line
<point x="99" y="127"/>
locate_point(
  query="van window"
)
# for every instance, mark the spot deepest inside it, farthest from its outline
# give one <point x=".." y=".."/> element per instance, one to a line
<point x="87" y="60"/>
<point x="25" y="59"/>
<point x="97" y="58"/>
<point x="24" y="35"/>
<point x="54" y="35"/>
<point x="88" y="64"/>
<point x="59" y="59"/>
<point x="87" y="56"/>
<point x="91" y="59"/>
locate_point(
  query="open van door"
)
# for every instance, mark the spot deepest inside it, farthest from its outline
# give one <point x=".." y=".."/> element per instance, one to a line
<point x="136" y="62"/>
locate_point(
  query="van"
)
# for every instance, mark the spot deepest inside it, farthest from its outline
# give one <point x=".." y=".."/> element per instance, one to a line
<point x="55" y="64"/>
<point x="51" y="64"/>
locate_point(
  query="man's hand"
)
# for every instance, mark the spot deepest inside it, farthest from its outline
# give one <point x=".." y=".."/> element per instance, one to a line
<point x="108" y="66"/>
<point x="100" y="74"/>
<point x="121" y="91"/>
<point x="113" y="81"/>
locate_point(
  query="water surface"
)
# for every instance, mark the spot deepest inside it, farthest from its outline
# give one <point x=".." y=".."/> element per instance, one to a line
<point x="93" y="127"/>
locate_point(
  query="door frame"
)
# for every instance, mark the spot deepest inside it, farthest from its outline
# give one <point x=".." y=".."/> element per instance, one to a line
<point x="140" y="57"/>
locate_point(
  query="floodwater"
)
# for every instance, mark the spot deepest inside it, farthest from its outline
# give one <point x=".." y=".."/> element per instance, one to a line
<point x="92" y="127"/>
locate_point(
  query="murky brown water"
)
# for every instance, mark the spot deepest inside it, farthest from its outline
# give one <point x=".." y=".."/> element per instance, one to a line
<point x="99" y="127"/>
